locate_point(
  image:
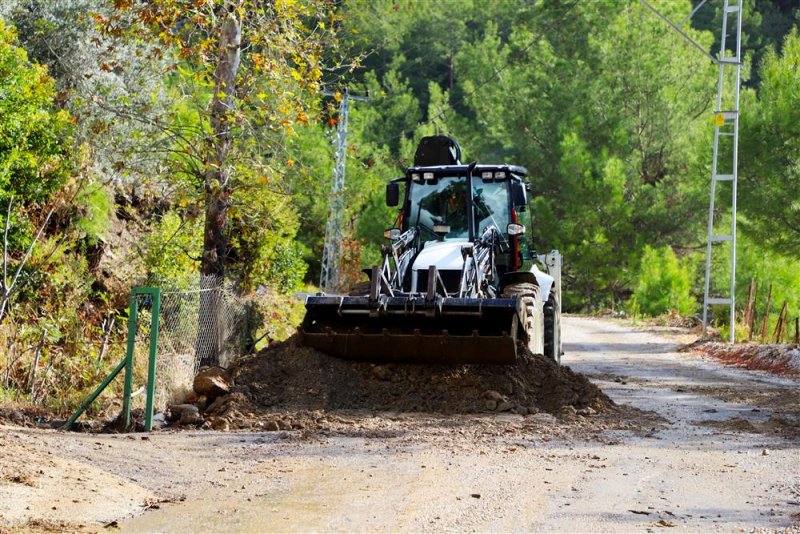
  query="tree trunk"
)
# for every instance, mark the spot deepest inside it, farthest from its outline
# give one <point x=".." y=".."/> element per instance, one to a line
<point x="217" y="180"/>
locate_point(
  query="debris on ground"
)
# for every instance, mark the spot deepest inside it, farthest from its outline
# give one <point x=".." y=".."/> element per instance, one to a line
<point x="780" y="359"/>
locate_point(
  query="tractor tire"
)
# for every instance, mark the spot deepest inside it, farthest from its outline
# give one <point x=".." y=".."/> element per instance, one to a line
<point x="360" y="289"/>
<point x="551" y="323"/>
<point x="531" y="320"/>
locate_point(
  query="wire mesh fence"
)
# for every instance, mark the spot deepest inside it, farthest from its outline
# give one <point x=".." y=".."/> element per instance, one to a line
<point x="201" y="322"/>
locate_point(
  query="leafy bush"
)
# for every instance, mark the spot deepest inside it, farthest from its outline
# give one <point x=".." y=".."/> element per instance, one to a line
<point x="664" y="284"/>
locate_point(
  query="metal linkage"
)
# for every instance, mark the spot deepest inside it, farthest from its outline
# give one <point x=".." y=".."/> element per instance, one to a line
<point x="396" y="257"/>
<point x="478" y="259"/>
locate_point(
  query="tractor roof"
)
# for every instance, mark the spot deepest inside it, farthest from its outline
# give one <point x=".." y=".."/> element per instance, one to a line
<point x="477" y="171"/>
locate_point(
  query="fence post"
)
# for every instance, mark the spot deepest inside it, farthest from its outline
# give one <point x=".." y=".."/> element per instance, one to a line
<point x="151" y="365"/>
<point x="766" y="316"/>
<point x="132" y="327"/>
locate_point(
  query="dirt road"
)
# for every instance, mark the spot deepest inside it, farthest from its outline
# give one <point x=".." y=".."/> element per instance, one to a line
<point x="720" y="452"/>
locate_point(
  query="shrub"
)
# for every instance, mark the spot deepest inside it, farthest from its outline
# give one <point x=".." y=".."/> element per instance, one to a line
<point x="664" y="284"/>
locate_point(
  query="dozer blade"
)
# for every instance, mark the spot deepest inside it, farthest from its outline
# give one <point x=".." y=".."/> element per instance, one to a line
<point x="413" y="329"/>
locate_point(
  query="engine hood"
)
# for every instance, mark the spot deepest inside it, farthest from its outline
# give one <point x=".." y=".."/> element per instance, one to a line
<point x="445" y="255"/>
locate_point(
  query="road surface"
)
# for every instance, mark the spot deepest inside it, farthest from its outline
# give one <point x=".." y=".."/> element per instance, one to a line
<point x="713" y="449"/>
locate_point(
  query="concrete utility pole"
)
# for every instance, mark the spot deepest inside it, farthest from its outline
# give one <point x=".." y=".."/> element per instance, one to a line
<point x="726" y="131"/>
<point x="332" y="253"/>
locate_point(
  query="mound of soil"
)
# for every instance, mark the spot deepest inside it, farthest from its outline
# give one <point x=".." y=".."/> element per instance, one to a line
<point x="289" y="376"/>
<point x="780" y="359"/>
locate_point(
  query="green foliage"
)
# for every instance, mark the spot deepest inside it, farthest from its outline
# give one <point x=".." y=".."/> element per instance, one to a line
<point x="663" y="285"/>
<point x="96" y="205"/>
<point x="769" y="173"/>
<point x="767" y="268"/>
<point x="35" y="153"/>
<point x="171" y="247"/>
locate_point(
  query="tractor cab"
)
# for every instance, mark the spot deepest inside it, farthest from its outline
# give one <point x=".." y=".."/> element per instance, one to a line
<point x="449" y="202"/>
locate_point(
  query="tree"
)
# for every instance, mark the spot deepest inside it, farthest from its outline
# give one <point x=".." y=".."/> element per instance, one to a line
<point x="250" y="70"/>
<point x="35" y="156"/>
<point x="769" y="169"/>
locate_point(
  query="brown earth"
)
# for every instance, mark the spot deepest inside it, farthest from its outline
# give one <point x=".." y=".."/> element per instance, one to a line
<point x="287" y="375"/>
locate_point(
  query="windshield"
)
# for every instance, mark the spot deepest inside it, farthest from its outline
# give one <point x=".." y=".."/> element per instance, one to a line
<point x="443" y="202"/>
<point x="491" y="205"/>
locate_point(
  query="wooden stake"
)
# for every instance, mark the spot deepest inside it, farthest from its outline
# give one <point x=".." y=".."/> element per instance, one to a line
<point x="776" y="334"/>
<point x="748" y="310"/>
<point x="766" y="315"/>
<point x="753" y="314"/>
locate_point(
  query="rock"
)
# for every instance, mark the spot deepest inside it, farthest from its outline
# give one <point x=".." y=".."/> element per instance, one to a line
<point x="520" y="410"/>
<point x="494" y="395"/>
<point x="491" y="404"/>
<point x="226" y="402"/>
<point x="504" y="406"/>
<point x="381" y="373"/>
<point x="271" y="426"/>
<point x="284" y="425"/>
<point x="586" y="411"/>
<point x="213" y="382"/>
<point x="190" y="415"/>
<point x="221" y="424"/>
<point x="175" y="411"/>
<point x="765" y="452"/>
<point x="159" y="421"/>
<point x="219" y="405"/>
<point x="569" y="411"/>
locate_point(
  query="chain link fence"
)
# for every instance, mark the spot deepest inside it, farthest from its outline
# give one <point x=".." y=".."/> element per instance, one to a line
<point x="201" y="322"/>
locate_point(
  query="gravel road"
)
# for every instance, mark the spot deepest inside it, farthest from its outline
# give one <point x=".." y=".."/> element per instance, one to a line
<point x="710" y="448"/>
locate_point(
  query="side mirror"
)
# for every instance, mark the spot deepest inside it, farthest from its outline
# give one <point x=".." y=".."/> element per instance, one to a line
<point x="392" y="194"/>
<point x="514" y="229"/>
<point x="518" y="195"/>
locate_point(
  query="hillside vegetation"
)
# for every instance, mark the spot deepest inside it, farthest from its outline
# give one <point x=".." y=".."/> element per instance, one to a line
<point x="166" y="139"/>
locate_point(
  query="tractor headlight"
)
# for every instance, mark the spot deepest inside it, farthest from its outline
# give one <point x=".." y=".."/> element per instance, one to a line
<point x="392" y="233"/>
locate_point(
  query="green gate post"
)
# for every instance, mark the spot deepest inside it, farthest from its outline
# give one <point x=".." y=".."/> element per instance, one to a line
<point x="127" y="362"/>
<point x="132" y="324"/>
<point x="151" y="365"/>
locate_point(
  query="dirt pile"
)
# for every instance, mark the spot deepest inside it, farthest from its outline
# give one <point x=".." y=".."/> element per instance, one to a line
<point x="288" y="376"/>
<point x="780" y="359"/>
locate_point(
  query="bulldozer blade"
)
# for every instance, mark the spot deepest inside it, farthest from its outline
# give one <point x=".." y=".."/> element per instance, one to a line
<point x="413" y="329"/>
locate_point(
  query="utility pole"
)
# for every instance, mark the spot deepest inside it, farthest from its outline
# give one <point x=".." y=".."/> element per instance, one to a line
<point x="726" y="131"/>
<point x="332" y="252"/>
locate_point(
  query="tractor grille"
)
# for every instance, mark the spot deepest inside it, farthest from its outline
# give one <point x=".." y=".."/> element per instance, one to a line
<point x="451" y="279"/>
